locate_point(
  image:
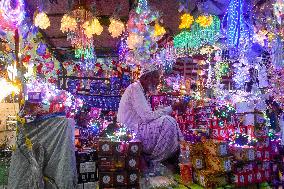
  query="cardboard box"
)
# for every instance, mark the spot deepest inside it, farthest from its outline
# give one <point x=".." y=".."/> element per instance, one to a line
<point x="132" y="163"/>
<point x="106" y="179"/>
<point x="219" y="164"/>
<point x="106" y="148"/>
<point x="134" y="148"/>
<point x="133" y="178"/>
<point x="120" y="178"/>
<point x="216" y="148"/>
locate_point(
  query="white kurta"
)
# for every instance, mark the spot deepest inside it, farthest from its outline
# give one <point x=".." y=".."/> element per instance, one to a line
<point x="159" y="132"/>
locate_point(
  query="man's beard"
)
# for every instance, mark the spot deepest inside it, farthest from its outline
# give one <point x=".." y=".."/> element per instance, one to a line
<point x="152" y="89"/>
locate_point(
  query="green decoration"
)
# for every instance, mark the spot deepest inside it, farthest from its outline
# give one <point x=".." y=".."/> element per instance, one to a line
<point x="221" y="69"/>
<point x="86" y="53"/>
<point x="198" y="36"/>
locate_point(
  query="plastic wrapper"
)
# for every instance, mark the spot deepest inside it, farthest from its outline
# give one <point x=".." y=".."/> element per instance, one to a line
<point x="52" y="148"/>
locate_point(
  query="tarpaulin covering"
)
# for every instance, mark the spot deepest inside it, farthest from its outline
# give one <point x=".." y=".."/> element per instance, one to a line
<point x="51" y="163"/>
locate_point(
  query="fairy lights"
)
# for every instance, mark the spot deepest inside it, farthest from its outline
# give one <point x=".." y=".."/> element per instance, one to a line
<point x="197" y="36"/>
<point x="238" y="32"/>
<point x="85" y="53"/>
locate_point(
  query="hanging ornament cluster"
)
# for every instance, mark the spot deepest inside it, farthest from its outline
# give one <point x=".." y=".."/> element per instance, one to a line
<point x="92" y="27"/>
<point x="199" y="35"/>
<point x="80" y="26"/>
<point x="68" y="24"/>
<point x="142" y="36"/>
<point x="116" y="27"/>
<point x="42" y="21"/>
<point x="186" y="21"/>
<point x="134" y="41"/>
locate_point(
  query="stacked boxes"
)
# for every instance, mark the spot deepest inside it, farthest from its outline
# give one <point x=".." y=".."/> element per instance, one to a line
<point x="210" y="162"/>
<point x="119" y="164"/>
<point x="87" y="169"/>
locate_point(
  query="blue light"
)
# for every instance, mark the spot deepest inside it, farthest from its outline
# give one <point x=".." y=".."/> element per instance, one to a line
<point x="238" y="30"/>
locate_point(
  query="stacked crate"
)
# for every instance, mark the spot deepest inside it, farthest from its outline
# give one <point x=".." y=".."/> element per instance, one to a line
<point x="119" y="164"/>
<point x="87" y="169"/>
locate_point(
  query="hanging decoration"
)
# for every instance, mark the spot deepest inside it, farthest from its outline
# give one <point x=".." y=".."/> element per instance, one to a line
<point x="81" y="25"/>
<point x="42" y="21"/>
<point x="186" y="21"/>
<point x="68" y="24"/>
<point x="204" y="20"/>
<point x="239" y="31"/>
<point x="221" y="69"/>
<point x="12" y="13"/>
<point x="134" y="41"/>
<point x="116" y="27"/>
<point x="92" y="27"/>
<point x="159" y="30"/>
<point x="141" y="40"/>
<point x="198" y="36"/>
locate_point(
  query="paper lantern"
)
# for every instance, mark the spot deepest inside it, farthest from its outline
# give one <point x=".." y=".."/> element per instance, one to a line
<point x="68" y="24"/>
<point x="186" y="21"/>
<point x="116" y="27"/>
<point x="42" y="20"/>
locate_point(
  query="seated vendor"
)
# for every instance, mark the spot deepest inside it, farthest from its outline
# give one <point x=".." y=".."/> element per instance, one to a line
<point x="158" y="131"/>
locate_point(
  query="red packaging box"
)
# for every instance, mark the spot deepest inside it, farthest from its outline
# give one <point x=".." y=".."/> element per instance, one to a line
<point x="106" y="148"/>
<point x="120" y="178"/>
<point x="259" y="176"/>
<point x="132" y="163"/>
<point x="134" y="148"/>
<point x="106" y="179"/>
<point x="133" y="178"/>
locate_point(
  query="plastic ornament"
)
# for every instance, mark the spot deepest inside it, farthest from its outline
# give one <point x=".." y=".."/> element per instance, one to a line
<point x="134" y="40"/>
<point x="159" y="30"/>
<point x="186" y="21"/>
<point x="116" y="27"/>
<point x="42" y="21"/>
<point x="68" y="24"/>
<point x="204" y="21"/>
<point x="92" y="27"/>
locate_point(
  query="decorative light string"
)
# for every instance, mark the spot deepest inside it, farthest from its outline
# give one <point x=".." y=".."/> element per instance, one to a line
<point x="238" y="31"/>
<point x="198" y="36"/>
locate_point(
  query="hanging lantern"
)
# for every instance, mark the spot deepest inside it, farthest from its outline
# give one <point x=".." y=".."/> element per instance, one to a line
<point x="116" y="27"/>
<point x="42" y="20"/>
<point x="186" y="21"/>
<point x="159" y="30"/>
<point x="68" y="24"/>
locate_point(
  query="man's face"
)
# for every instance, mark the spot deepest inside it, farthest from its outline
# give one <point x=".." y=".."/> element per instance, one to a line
<point x="154" y="79"/>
